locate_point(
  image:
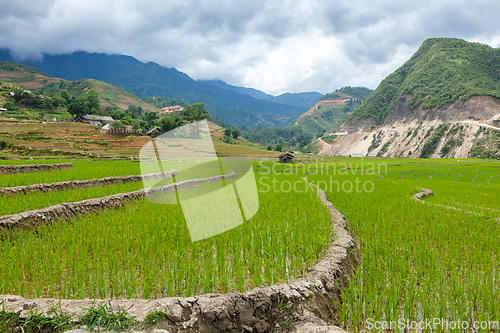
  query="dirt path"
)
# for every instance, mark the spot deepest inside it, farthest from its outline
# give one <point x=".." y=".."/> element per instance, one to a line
<point x="324" y="146"/>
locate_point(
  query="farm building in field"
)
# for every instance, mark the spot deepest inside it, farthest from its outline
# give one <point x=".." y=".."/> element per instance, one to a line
<point x="152" y="132"/>
<point x="109" y="129"/>
<point x="93" y="120"/>
<point x="176" y="109"/>
<point x="285" y="158"/>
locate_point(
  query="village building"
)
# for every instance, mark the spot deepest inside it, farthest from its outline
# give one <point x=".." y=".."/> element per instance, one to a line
<point x="152" y="132"/>
<point x="176" y="109"/>
<point x="93" y="119"/>
<point x="109" y="129"/>
<point x="285" y="158"/>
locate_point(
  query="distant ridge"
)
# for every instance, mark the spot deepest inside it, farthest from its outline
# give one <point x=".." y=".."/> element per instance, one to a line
<point x="151" y="79"/>
<point x="240" y="90"/>
<point x="303" y="99"/>
<point x="31" y="78"/>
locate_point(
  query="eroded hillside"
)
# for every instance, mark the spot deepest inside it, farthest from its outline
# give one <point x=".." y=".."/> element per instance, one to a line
<point x="443" y="102"/>
<point x="463" y="129"/>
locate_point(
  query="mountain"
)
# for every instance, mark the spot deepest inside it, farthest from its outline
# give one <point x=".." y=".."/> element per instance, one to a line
<point x="331" y="110"/>
<point x="31" y="78"/>
<point x="151" y="79"/>
<point x="240" y="90"/>
<point x="304" y="99"/>
<point x="443" y="102"/>
<point x="359" y="93"/>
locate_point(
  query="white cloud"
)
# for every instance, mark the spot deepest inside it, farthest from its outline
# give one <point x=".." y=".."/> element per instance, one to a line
<point x="275" y="46"/>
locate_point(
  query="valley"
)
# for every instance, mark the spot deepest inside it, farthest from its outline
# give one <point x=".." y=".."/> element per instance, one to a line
<point x="301" y="213"/>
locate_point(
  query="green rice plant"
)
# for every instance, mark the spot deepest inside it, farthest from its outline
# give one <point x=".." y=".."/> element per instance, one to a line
<point x="144" y="250"/>
<point x="37" y="200"/>
<point x="421" y="261"/>
<point x="84" y="169"/>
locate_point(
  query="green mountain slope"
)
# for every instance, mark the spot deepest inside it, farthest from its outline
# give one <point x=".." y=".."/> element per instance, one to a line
<point x="331" y="110"/>
<point x="31" y="78"/>
<point x="240" y="90"/>
<point x="303" y="99"/>
<point x="151" y="79"/>
<point x="442" y="71"/>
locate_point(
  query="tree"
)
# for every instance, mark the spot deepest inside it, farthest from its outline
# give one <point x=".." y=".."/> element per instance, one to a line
<point x="117" y="124"/>
<point x="168" y="123"/>
<point x="93" y="102"/>
<point x="195" y="112"/>
<point x="235" y="133"/>
<point x="10" y="106"/>
<point x="77" y="107"/>
<point x="66" y="96"/>
<point x="135" y="111"/>
<point x="116" y="113"/>
<point x="151" y="116"/>
<point x="127" y="121"/>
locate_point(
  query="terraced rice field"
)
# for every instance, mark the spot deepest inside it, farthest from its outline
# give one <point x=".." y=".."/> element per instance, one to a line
<point x="426" y="266"/>
<point x="144" y="250"/>
<point x="434" y="261"/>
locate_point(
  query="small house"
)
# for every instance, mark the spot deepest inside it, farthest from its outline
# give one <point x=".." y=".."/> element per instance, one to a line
<point x="93" y="119"/>
<point x="176" y="109"/>
<point x="285" y="158"/>
<point x="105" y="129"/>
<point x="152" y="132"/>
<point x="109" y="129"/>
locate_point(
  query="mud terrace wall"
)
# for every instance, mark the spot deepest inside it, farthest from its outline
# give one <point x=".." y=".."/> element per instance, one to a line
<point x="424" y="193"/>
<point x="306" y="304"/>
<point x="8" y="169"/>
<point x="67" y="185"/>
<point x="70" y="210"/>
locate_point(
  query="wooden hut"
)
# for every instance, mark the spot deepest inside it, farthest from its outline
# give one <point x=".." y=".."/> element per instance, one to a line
<point x="285" y="158"/>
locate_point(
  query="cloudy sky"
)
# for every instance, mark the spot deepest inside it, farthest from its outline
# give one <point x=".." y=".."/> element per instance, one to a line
<point x="275" y="46"/>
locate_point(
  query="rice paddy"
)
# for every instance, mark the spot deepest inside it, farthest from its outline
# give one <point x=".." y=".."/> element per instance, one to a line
<point x="84" y="169"/>
<point x="424" y="263"/>
<point x="420" y="262"/>
<point x="38" y="200"/>
<point x="143" y="250"/>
